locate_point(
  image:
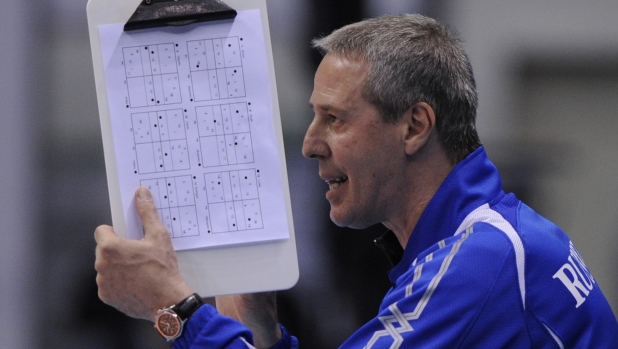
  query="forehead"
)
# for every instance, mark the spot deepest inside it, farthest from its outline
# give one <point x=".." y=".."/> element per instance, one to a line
<point x="339" y="82"/>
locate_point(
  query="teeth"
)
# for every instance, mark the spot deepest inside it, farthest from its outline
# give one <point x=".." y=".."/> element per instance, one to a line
<point x="335" y="182"/>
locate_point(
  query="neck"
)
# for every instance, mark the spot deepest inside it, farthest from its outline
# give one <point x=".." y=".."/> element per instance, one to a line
<point x="426" y="172"/>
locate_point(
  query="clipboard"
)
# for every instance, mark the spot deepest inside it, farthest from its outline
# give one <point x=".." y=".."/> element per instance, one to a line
<point x="229" y="268"/>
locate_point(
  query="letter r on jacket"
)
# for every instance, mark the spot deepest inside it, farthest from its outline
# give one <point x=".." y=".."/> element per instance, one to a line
<point x="572" y="282"/>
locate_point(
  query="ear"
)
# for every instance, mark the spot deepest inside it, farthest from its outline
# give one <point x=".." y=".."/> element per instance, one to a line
<point x="419" y="122"/>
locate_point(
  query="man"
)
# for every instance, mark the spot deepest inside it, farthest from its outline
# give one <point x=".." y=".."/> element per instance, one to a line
<point x="394" y="134"/>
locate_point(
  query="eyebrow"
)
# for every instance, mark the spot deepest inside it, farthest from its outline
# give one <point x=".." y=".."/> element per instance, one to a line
<point x="326" y="108"/>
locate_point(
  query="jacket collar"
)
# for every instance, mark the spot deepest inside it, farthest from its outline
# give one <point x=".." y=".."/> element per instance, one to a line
<point x="473" y="182"/>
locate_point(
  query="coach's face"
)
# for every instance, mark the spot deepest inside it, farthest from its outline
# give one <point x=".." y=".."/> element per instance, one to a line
<point x="359" y="155"/>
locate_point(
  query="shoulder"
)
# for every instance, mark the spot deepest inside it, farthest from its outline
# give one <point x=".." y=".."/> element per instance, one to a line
<point x="471" y="260"/>
<point x="561" y="297"/>
<point x="457" y="282"/>
<point x="467" y="267"/>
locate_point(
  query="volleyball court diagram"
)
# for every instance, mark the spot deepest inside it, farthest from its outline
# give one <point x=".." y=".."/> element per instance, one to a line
<point x="160" y="141"/>
<point x="216" y="68"/>
<point x="152" y="75"/>
<point x="175" y="201"/>
<point x="223" y="130"/>
<point x="225" y="134"/>
<point x="233" y="198"/>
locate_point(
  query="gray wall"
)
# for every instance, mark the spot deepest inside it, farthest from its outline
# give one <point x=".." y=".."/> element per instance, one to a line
<point x="19" y="209"/>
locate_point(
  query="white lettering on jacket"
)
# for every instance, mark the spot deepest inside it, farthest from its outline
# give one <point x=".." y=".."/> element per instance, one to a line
<point x="576" y="277"/>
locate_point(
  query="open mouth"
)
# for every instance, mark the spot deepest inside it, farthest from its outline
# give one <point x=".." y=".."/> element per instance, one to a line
<point x="336" y="182"/>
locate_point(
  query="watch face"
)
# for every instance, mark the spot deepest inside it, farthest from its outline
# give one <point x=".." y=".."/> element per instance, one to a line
<point x="168" y="324"/>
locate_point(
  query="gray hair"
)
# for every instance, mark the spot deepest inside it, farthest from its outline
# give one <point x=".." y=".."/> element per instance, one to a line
<point x="414" y="59"/>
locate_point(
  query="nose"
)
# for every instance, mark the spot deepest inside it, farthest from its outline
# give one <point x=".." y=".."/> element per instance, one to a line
<point x="314" y="144"/>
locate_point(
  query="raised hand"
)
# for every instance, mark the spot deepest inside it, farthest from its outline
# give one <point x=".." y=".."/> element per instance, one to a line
<point x="138" y="277"/>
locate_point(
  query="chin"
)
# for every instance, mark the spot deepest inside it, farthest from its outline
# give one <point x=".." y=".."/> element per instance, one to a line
<point x="348" y="222"/>
<point x="338" y="220"/>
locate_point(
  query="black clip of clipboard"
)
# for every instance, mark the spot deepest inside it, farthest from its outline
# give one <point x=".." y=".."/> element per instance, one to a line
<point x="159" y="13"/>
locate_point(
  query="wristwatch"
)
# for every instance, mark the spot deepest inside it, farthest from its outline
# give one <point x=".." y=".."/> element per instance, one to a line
<point x="170" y="321"/>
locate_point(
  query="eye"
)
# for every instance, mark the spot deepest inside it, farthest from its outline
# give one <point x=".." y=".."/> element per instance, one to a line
<point x="335" y="122"/>
<point x="333" y="118"/>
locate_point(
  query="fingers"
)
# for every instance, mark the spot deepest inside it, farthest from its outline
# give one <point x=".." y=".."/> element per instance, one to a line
<point x="105" y="237"/>
<point x="102" y="235"/>
<point x="103" y="232"/>
<point x="138" y="277"/>
<point x="148" y="212"/>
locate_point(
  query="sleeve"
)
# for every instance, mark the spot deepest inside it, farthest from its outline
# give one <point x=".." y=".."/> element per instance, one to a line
<point x="209" y="329"/>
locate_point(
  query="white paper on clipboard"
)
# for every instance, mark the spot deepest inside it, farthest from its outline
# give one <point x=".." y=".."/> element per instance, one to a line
<point x="191" y="113"/>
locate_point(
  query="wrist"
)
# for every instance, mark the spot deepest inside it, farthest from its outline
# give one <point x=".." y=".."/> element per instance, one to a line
<point x="174" y="296"/>
<point x="169" y="321"/>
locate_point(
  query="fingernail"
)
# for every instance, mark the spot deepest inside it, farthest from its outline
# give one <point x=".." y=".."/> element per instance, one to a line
<point x="144" y="194"/>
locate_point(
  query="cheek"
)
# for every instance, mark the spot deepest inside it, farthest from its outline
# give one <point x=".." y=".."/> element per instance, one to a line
<point x="368" y="158"/>
<point x="380" y="173"/>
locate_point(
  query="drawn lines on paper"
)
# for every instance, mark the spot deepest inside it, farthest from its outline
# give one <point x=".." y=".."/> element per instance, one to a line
<point x="160" y="141"/>
<point x="225" y="134"/>
<point x="216" y="69"/>
<point x="152" y="75"/>
<point x="233" y="201"/>
<point x="175" y="201"/>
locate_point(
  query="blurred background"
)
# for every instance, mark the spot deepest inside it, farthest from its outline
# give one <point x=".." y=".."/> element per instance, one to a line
<point x="547" y="74"/>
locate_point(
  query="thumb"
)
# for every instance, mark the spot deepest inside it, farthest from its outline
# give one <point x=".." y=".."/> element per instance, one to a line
<point x="148" y="212"/>
<point x="103" y="232"/>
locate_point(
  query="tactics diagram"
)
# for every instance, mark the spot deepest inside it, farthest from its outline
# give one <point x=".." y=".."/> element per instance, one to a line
<point x="225" y="134"/>
<point x="160" y="141"/>
<point x="193" y="117"/>
<point x="234" y="201"/>
<point x="216" y="69"/>
<point x="152" y="75"/>
<point x="161" y="138"/>
<point x="175" y="201"/>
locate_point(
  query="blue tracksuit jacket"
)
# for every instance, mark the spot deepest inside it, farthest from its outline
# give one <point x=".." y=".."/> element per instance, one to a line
<point x="481" y="270"/>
